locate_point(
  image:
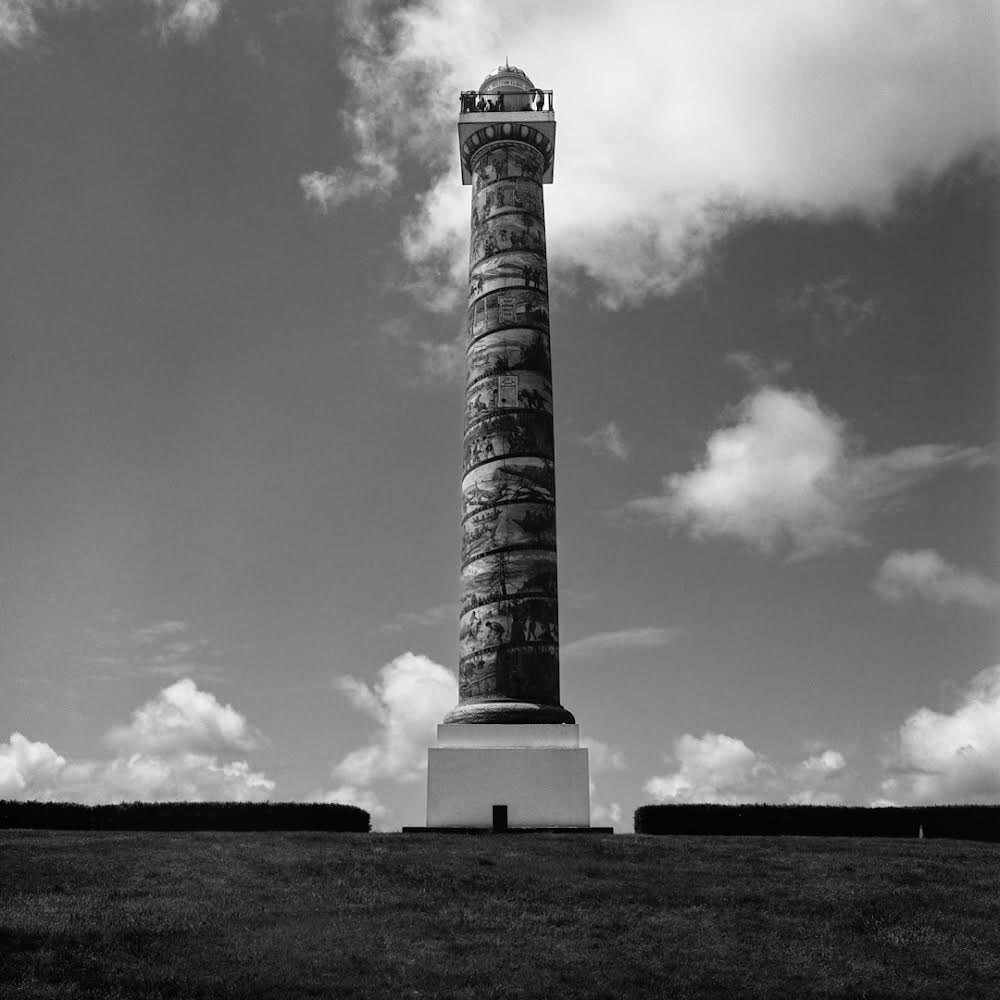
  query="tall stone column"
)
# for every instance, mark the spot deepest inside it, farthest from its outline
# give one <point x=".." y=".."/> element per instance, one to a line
<point x="509" y="618"/>
<point x="508" y="753"/>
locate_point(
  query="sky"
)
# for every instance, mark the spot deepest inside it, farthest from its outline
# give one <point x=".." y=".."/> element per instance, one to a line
<point x="233" y="245"/>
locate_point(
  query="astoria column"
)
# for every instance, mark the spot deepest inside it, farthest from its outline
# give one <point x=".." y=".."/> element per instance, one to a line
<point x="508" y="753"/>
<point x="509" y="618"/>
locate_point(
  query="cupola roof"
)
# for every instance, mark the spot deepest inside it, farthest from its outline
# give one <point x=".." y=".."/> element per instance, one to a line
<point x="506" y="78"/>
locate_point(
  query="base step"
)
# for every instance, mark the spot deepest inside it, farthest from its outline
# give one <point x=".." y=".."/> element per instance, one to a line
<point x="605" y="830"/>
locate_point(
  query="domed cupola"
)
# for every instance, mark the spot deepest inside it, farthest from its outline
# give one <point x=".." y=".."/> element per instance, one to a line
<point x="506" y="80"/>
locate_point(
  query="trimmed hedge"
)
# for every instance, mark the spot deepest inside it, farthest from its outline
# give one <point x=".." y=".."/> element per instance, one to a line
<point x="184" y="816"/>
<point x="957" y="822"/>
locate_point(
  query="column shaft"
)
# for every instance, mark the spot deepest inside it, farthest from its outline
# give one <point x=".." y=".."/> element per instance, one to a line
<point x="508" y="629"/>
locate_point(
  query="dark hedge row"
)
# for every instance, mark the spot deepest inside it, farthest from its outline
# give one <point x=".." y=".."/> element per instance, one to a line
<point x="184" y="816"/>
<point x="958" y="822"/>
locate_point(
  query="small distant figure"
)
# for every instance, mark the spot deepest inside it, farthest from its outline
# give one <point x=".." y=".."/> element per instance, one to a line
<point x="537" y="100"/>
<point x="481" y="103"/>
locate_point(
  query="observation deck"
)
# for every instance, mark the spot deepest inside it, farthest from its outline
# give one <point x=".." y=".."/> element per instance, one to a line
<point x="508" y="107"/>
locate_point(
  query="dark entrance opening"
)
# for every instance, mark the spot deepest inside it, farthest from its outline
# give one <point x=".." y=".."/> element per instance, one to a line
<point x="499" y="817"/>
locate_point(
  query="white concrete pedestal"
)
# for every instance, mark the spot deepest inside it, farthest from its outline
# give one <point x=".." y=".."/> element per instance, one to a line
<point x="539" y="772"/>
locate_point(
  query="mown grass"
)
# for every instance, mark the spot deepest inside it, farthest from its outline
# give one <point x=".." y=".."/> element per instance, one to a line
<point x="293" y="915"/>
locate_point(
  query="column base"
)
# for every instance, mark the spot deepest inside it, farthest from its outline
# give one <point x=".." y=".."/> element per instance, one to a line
<point x="509" y="713"/>
<point x="539" y="773"/>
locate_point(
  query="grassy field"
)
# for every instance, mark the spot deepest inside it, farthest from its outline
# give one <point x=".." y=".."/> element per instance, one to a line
<point x="294" y="915"/>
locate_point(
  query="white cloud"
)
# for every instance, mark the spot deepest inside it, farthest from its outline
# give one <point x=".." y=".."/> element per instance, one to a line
<point x="716" y="111"/>
<point x="950" y="757"/>
<point x="411" y="697"/>
<point x="722" y="769"/>
<point x="607" y="440"/>
<point x="602" y="814"/>
<point x="182" y="718"/>
<point x="824" y="764"/>
<point x="191" y="19"/>
<point x="820" y="779"/>
<point x="785" y="475"/>
<point x="603" y="757"/>
<point x="168" y="752"/>
<point x="18" y="23"/>
<point x="909" y="575"/>
<point x="329" y="191"/>
<point x="816" y="797"/>
<point x="363" y="798"/>
<point x="176" y="777"/>
<point x="601" y="643"/>
<point x="713" y="768"/>
<point x="26" y="765"/>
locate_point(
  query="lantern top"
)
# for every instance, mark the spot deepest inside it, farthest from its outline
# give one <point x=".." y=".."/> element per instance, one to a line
<point x="506" y="79"/>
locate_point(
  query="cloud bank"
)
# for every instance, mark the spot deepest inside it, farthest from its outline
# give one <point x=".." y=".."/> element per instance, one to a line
<point x="907" y="576"/>
<point x="21" y="21"/>
<point x="785" y="475"/>
<point x="173" y="749"/>
<point x="410" y="698"/>
<point x="950" y="757"/>
<point x="675" y="118"/>
<point x="721" y="769"/>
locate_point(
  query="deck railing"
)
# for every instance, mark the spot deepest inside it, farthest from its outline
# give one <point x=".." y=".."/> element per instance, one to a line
<point x="473" y="102"/>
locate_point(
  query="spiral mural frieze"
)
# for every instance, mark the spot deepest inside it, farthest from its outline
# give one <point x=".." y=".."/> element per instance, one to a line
<point x="509" y="617"/>
<point x="512" y="308"/>
<point x="513" y="386"/>
<point x="514" y="195"/>
<point x="507" y="351"/>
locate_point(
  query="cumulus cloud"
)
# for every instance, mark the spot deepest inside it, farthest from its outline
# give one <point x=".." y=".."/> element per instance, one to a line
<point x="191" y="19"/>
<point x="607" y="440"/>
<point x="785" y="475"/>
<point x="818" y="778"/>
<point x="410" y="698"/>
<point x="170" y="751"/>
<point x="18" y="22"/>
<point x="950" y="757"/>
<point x="924" y="574"/>
<point x="713" y="768"/>
<point x="721" y="769"/>
<point x="601" y="814"/>
<point x="717" y="111"/>
<point x="603" y="757"/>
<point x="329" y="191"/>
<point x="26" y="765"/>
<point x="188" y="777"/>
<point x="181" y="717"/>
<point x="602" y="643"/>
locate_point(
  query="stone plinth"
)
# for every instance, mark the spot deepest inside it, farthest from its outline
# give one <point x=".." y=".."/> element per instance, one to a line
<point x="539" y="772"/>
